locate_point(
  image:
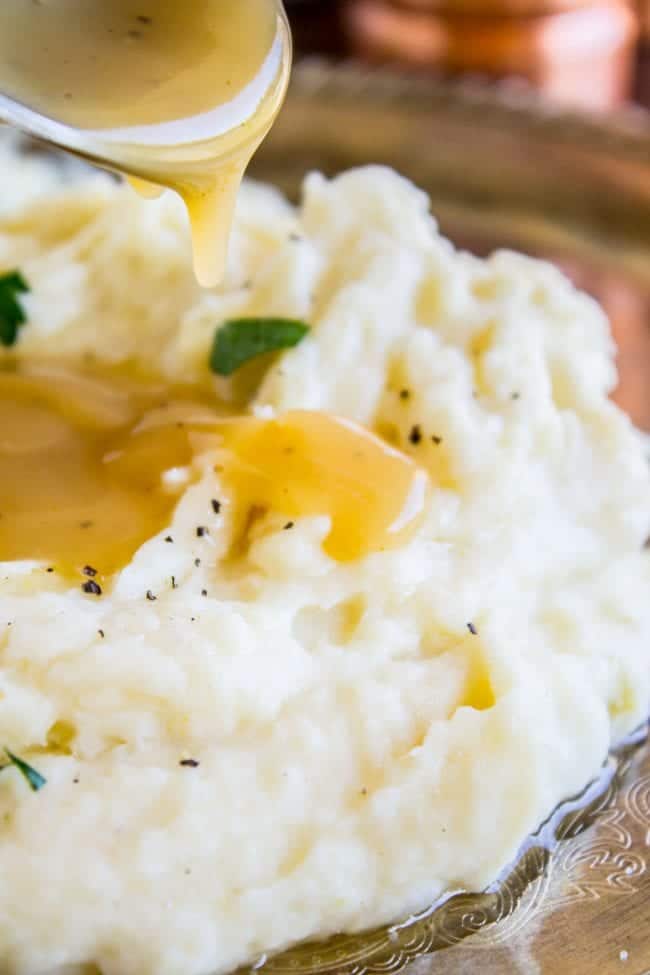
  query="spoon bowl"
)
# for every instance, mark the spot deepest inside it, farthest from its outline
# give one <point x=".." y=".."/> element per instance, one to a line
<point x="178" y="96"/>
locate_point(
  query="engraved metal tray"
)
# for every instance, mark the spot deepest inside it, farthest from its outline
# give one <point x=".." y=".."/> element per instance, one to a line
<point x="504" y="169"/>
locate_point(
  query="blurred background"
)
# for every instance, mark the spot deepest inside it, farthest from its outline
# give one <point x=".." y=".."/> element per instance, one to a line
<point x="589" y="53"/>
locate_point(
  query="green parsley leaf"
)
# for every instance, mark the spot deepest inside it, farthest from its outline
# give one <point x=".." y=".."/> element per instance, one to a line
<point x="34" y="779"/>
<point x="241" y="339"/>
<point x="12" y="315"/>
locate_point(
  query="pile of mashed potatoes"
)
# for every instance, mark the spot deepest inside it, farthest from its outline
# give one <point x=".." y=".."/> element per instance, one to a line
<point x="363" y="736"/>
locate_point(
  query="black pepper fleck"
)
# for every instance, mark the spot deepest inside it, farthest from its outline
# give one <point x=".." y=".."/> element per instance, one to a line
<point x="204" y="592"/>
<point x="189" y="763"/>
<point x="174" y="585"/>
<point x="92" y="588"/>
<point x="197" y="562"/>
<point x="515" y="395"/>
<point x="216" y="506"/>
<point x="472" y="629"/>
<point x="405" y="394"/>
<point x="415" y="436"/>
<point x="151" y="597"/>
<point x="101" y="633"/>
<point x="85" y="524"/>
<point x="436" y="440"/>
<point x="49" y="569"/>
<point x="88" y="570"/>
<point x="76" y="781"/>
<point x="169" y="540"/>
<point x="201" y="531"/>
<point x="141" y="19"/>
<point x="289" y="525"/>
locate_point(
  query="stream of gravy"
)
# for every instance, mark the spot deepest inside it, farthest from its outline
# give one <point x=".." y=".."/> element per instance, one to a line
<point x="85" y="464"/>
<point x="178" y="95"/>
<point x="175" y="93"/>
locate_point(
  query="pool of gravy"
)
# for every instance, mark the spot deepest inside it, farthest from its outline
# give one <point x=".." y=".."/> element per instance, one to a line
<point x="175" y="94"/>
<point x="89" y="471"/>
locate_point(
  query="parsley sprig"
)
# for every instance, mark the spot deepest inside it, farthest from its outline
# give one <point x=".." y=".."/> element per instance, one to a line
<point x="33" y="778"/>
<point x="241" y="339"/>
<point x="12" y="314"/>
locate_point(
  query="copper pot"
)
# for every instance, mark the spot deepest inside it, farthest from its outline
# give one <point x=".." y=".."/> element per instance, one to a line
<point x="576" y="51"/>
<point x="644" y="13"/>
<point x="486" y="8"/>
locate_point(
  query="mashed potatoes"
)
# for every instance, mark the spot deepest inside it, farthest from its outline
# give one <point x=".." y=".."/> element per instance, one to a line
<point x="362" y="736"/>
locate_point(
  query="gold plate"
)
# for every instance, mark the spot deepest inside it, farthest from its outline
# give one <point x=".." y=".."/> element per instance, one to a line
<point x="503" y="169"/>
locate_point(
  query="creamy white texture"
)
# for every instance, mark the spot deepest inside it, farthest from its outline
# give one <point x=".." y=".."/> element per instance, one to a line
<point x="342" y="783"/>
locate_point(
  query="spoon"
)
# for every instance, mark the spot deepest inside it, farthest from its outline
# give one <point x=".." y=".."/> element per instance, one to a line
<point x="171" y="95"/>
